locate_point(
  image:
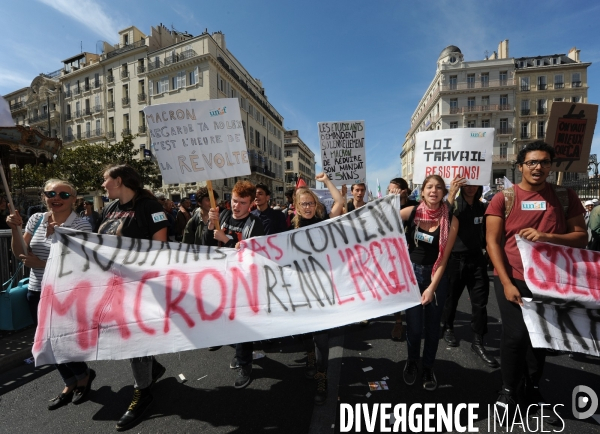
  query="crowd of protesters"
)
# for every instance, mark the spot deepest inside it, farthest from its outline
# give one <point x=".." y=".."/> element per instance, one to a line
<point x="452" y="237"/>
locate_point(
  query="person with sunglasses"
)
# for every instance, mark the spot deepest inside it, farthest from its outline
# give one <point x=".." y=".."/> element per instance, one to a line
<point x="550" y="221"/>
<point x="59" y="198"/>
<point x="310" y="211"/>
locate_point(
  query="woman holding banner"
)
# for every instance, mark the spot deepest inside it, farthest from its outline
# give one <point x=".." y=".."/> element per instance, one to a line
<point x="136" y="214"/>
<point x="431" y="232"/>
<point x="59" y="197"/>
<point x="310" y="211"/>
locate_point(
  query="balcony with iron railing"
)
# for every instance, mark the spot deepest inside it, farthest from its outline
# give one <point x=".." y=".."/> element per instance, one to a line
<point x="78" y="113"/>
<point x="142" y="129"/>
<point x="141" y="69"/>
<point x="141" y="97"/>
<point x="125" y="48"/>
<point x="110" y="134"/>
<point x="525" y="135"/>
<point x="68" y="138"/>
<point x="110" y="79"/>
<point x="110" y="105"/>
<point x="507" y="158"/>
<point x="124" y="73"/>
<point x="525" y="88"/>
<point x="541" y="134"/>
<point x="503" y="131"/>
<point x="87" y="111"/>
<point x="87" y="87"/>
<point x="559" y="85"/>
<point x="126" y="132"/>
<point x="463" y="85"/>
<point x="68" y="93"/>
<point x="17" y="106"/>
<point x="154" y="64"/>
<point x="96" y="84"/>
<point x="97" y="109"/>
<point x="576" y="84"/>
<point x="542" y="111"/>
<point x="480" y="108"/>
<point x="125" y="101"/>
<point x="542" y="86"/>
<point x="77" y="91"/>
<point x="525" y="112"/>
<point x="69" y="117"/>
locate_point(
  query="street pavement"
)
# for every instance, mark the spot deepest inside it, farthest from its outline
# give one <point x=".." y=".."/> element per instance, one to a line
<point x="279" y="400"/>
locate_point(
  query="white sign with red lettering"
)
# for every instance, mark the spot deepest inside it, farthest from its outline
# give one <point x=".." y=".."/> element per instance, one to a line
<point x="565" y="311"/>
<point x="108" y="297"/>
<point x="465" y="152"/>
<point x="198" y="140"/>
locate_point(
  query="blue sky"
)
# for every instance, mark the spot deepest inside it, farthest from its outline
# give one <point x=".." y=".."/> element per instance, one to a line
<point x="318" y="60"/>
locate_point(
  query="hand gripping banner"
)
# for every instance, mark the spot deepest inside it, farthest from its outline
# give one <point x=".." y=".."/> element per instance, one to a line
<point x="108" y="297"/>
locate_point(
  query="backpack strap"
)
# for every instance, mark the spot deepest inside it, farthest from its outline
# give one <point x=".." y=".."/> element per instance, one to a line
<point x="509" y="201"/>
<point x="563" y="197"/>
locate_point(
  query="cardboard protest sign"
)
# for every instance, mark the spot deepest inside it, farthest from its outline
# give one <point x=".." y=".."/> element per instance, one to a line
<point x="565" y="311"/>
<point x="465" y="152"/>
<point x="109" y="297"/>
<point x="343" y="151"/>
<point x="570" y="132"/>
<point x="198" y="140"/>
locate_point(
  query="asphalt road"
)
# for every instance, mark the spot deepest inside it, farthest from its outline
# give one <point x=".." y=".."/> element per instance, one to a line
<point x="279" y="400"/>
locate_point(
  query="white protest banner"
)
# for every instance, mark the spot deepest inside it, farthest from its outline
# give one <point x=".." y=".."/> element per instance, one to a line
<point x="465" y="152"/>
<point x="108" y="297"/>
<point x="565" y="311"/>
<point x="198" y="140"/>
<point x="343" y="151"/>
<point x="570" y="132"/>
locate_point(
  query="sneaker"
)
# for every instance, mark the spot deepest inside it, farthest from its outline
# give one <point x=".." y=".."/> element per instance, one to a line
<point x="142" y="398"/>
<point x="158" y="371"/>
<point x="244" y="377"/>
<point x="504" y="407"/>
<point x="321" y="393"/>
<point x="311" y="369"/>
<point x="234" y="363"/>
<point x="429" y="380"/>
<point x="397" y="331"/>
<point x="450" y="338"/>
<point x="60" y="401"/>
<point x="410" y="372"/>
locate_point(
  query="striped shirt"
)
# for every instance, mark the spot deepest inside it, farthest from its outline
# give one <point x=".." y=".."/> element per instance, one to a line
<point x="40" y="244"/>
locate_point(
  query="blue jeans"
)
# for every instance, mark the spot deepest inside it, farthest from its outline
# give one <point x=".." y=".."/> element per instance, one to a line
<point x="428" y="315"/>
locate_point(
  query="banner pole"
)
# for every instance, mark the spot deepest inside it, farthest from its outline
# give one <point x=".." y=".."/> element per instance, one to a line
<point x="12" y="206"/>
<point x="213" y="204"/>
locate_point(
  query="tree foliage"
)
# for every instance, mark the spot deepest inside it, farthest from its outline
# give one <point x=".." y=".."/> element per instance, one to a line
<point x="83" y="165"/>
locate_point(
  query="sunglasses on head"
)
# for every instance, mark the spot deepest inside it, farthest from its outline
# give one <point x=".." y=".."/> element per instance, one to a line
<point x="62" y="194"/>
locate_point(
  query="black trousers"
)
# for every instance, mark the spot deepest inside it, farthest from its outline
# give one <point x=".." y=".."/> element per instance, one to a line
<point x="518" y="358"/>
<point x="470" y="271"/>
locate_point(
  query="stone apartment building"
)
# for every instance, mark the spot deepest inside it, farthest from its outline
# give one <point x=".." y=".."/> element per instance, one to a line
<point x="299" y="161"/>
<point x="488" y="93"/>
<point x="100" y="97"/>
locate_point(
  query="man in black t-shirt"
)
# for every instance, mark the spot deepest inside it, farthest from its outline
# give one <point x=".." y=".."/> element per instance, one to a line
<point x="236" y="224"/>
<point x="273" y="221"/>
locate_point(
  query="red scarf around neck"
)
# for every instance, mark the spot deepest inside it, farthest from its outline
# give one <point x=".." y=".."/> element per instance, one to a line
<point x="440" y="215"/>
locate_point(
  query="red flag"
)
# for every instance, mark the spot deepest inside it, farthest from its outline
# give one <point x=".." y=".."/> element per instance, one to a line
<point x="300" y="183"/>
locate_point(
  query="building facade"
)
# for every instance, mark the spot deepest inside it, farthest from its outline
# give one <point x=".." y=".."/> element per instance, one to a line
<point x="299" y="161"/>
<point x="494" y="92"/>
<point x="540" y="81"/>
<point x="100" y="97"/>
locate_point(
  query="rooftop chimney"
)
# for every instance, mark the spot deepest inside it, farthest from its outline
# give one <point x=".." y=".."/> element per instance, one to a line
<point x="503" y="49"/>
<point x="574" y="54"/>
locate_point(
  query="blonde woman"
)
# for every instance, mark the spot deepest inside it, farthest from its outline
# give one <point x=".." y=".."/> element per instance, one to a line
<point x="310" y="211"/>
<point x="59" y="198"/>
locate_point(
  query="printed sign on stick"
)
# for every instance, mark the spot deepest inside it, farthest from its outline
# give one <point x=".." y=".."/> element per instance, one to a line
<point x="198" y="140"/>
<point x="466" y="152"/>
<point x="570" y="132"/>
<point x="343" y="151"/>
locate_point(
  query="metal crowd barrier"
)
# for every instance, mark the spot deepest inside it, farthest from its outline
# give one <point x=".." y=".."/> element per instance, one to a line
<point x="8" y="263"/>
